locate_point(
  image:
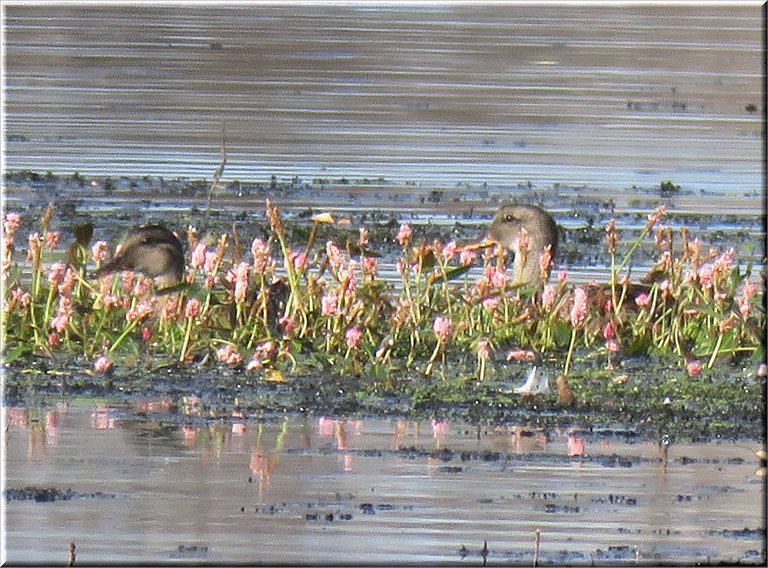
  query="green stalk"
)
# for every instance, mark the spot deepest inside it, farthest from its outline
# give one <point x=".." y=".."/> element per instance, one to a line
<point x="716" y="351"/>
<point x="125" y="333"/>
<point x="185" y="344"/>
<point x="570" y="352"/>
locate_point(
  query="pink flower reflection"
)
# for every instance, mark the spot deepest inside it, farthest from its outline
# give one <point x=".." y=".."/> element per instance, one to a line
<point x="52" y="428"/>
<point x="17" y="417"/>
<point x="326" y="426"/>
<point x="189" y="435"/>
<point x="575" y="444"/>
<point x="102" y="418"/>
<point x="439" y="430"/>
<point x="262" y="466"/>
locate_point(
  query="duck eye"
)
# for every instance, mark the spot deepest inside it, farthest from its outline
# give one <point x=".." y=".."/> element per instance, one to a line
<point x="509" y="218"/>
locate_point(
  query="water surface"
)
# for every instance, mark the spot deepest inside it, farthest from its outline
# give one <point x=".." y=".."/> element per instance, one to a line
<point x="148" y="483"/>
<point x="608" y="96"/>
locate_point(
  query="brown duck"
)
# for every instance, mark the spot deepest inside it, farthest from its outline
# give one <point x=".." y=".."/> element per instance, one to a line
<point x="541" y="228"/>
<point x="152" y="250"/>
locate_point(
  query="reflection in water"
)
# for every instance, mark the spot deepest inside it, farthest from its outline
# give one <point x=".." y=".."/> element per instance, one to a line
<point x="233" y="487"/>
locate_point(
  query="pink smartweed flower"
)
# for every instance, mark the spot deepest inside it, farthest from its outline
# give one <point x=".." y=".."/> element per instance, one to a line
<point x="287" y="323"/>
<point x="609" y="331"/>
<point x="7" y="260"/>
<point x="724" y="263"/>
<point x="612" y="345"/>
<point x="548" y="297"/>
<point x="694" y="368"/>
<point x="109" y="301"/>
<point x="545" y="261"/>
<point x="484" y="349"/>
<point x="643" y="300"/>
<point x="99" y="252"/>
<point x="496" y="278"/>
<point x="264" y="352"/>
<point x="68" y="282"/>
<point x="521" y="355"/>
<point x="745" y="305"/>
<point x="350" y="279"/>
<point x="443" y="329"/>
<point x="363" y="240"/>
<point x="34" y="247"/>
<point x="662" y="242"/>
<point x="53" y="339"/>
<point x="727" y="323"/>
<point x="56" y="273"/>
<point x="449" y="251"/>
<point x="299" y="260"/>
<point x="467" y="257"/>
<point x="580" y="308"/>
<point x="228" y="354"/>
<point x="63" y="314"/>
<point x="12" y="223"/>
<point x="404" y="235"/>
<point x="103" y="365"/>
<point x="329" y="305"/>
<point x="352" y="337"/>
<point x="523" y="241"/>
<point x="238" y="275"/>
<point x="140" y="311"/>
<point x="192" y="308"/>
<point x="141" y="285"/>
<point x="18" y="298"/>
<point x="146" y="333"/>
<point x="52" y="239"/>
<point x="261" y="256"/>
<point x="370" y="266"/>
<point x="198" y="255"/>
<point x="562" y="276"/>
<point x="657" y="215"/>
<point x="209" y="265"/>
<point x="706" y="275"/>
<point x="128" y="279"/>
<point x="169" y="308"/>
<point x="192" y="236"/>
<point x="491" y="303"/>
<point x="335" y="258"/>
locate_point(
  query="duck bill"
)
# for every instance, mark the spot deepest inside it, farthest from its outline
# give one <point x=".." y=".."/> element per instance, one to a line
<point x="484" y="243"/>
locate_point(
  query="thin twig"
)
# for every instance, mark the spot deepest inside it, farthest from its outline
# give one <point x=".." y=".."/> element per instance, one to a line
<point x="217" y="173"/>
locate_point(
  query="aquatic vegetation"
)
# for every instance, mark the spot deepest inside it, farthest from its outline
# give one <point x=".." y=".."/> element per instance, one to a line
<point x="283" y="306"/>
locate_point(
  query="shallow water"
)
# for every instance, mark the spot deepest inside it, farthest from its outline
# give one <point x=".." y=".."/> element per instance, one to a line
<point x="147" y="483"/>
<point x="607" y="96"/>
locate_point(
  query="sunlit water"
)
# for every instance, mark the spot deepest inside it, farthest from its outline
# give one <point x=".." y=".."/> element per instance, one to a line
<point x="318" y="490"/>
<point x="605" y="96"/>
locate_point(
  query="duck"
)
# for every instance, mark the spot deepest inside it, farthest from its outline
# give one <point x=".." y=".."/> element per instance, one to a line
<point x="505" y="230"/>
<point x="152" y="250"/>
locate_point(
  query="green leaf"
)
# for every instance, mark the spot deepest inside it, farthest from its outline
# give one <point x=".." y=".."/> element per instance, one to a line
<point x="20" y="350"/>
